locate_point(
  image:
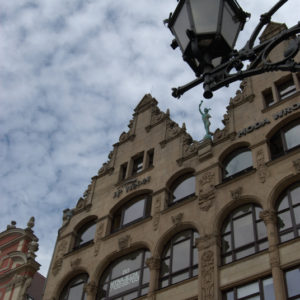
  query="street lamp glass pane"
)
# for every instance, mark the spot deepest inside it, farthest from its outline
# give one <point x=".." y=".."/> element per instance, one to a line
<point x="230" y="27"/>
<point x="205" y="15"/>
<point x="180" y="27"/>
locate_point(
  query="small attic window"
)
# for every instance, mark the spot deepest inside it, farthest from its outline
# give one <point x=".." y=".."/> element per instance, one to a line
<point x="268" y="97"/>
<point x="137" y="166"/>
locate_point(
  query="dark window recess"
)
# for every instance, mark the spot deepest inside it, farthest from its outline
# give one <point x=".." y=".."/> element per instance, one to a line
<point x="268" y="97"/>
<point x="132" y="212"/>
<point x="150" y="157"/>
<point x="285" y="139"/>
<point x="260" y="289"/>
<point x="288" y="214"/>
<point x="179" y="258"/>
<point x="126" y="278"/>
<point x="237" y="163"/>
<point x="123" y="171"/>
<point x="85" y="234"/>
<point x="292" y="280"/>
<point x="286" y="89"/>
<point x="74" y="290"/>
<point x="137" y="166"/>
<point x="243" y="234"/>
<point x="182" y="188"/>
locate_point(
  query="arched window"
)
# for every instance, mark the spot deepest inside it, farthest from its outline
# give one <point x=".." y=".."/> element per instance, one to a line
<point x="237" y="163"/>
<point x="179" y="258"/>
<point x="288" y="212"/>
<point x="133" y="211"/>
<point x="182" y="188"/>
<point x="243" y="233"/>
<point x="85" y="234"/>
<point x="285" y="139"/>
<point x="74" y="289"/>
<point x="126" y="278"/>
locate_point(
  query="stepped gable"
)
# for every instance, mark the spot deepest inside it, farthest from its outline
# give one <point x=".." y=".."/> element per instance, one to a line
<point x="271" y="30"/>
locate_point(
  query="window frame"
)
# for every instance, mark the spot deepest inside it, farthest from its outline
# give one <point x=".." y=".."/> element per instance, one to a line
<point x="230" y="157"/>
<point x="137" y="164"/>
<point x="260" y="293"/>
<point x="81" y="231"/>
<point x="66" y="290"/>
<point x="286" y="284"/>
<point x="175" y="184"/>
<point x="295" y="228"/>
<point x="232" y="254"/>
<point x="283" y="83"/>
<point x="193" y="267"/>
<point x="281" y="133"/>
<point x="109" y="271"/>
<point x="119" y="213"/>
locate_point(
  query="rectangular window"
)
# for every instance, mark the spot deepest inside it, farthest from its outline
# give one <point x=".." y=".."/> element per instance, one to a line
<point x="286" y="88"/>
<point x="123" y="171"/>
<point x="150" y="157"/>
<point x="268" y="97"/>
<point x="137" y="166"/>
<point x="292" y="278"/>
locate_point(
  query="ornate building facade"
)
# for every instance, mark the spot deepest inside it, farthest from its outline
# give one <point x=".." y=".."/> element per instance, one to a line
<point x="168" y="217"/>
<point x="19" y="279"/>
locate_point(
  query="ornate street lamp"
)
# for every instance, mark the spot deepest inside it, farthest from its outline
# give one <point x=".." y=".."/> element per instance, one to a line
<point x="206" y="32"/>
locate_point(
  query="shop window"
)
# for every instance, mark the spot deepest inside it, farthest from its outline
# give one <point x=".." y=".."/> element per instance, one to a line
<point x="285" y="139"/>
<point x="237" y="163"/>
<point x="259" y="289"/>
<point x="288" y="213"/>
<point x="292" y="279"/>
<point x="126" y="278"/>
<point x="179" y="258"/>
<point x="243" y="234"/>
<point x="133" y="211"/>
<point x="85" y="234"/>
<point x="137" y="165"/>
<point x="74" y="290"/>
<point x="182" y="188"/>
<point x="286" y="88"/>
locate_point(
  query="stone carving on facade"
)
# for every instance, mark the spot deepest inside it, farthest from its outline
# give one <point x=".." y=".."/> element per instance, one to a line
<point x="12" y="225"/>
<point x="67" y="215"/>
<point x="75" y="263"/>
<point x="17" y="281"/>
<point x="30" y="224"/>
<point x="207" y="275"/>
<point x="268" y="216"/>
<point x="157" y="116"/>
<point x="237" y="193"/>
<point x="32" y="248"/>
<point x="124" y="242"/>
<point x="177" y="219"/>
<point x="261" y="166"/>
<point x="90" y="288"/>
<point x="129" y="135"/>
<point x="107" y="167"/>
<point x="58" y="261"/>
<point x="206" y="191"/>
<point x="190" y="146"/>
<point x="173" y="129"/>
<point x="99" y="235"/>
<point x="205" y="242"/>
<point x="296" y="164"/>
<point x="153" y="263"/>
<point x="156" y="214"/>
<point x="244" y="94"/>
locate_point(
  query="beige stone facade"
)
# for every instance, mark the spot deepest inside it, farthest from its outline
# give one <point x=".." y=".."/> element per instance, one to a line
<point x="153" y="158"/>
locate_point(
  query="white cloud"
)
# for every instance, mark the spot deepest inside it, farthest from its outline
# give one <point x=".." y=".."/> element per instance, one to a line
<point x="67" y="67"/>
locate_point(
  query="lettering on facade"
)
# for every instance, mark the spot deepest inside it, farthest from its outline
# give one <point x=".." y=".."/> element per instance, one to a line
<point x="276" y="116"/>
<point x="125" y="280"/>
<point x="253" y="127"/>
<point x="286" y="111"/>
<point x="130" y="186"/>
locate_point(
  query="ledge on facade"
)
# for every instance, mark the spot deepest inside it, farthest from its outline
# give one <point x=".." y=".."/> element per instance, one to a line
<point x="124" y="181"/>
<point x="179" y="204"/>
<point x="79" y="249"/>
<point x="126" y="228"/>
<point x="235" y="179"/>
<point x="279" y="103"/>
<point x="171" y="286"/>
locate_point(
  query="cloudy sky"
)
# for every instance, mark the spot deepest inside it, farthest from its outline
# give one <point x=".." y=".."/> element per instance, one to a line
<point x="71" y="73"/>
